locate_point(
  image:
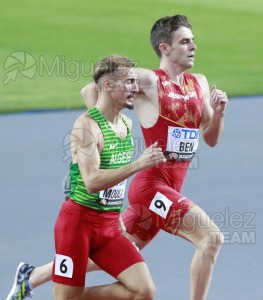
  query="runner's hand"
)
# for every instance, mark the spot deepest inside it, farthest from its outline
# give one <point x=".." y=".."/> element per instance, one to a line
<point x="218" y="100"/>
<point x="151" y="156"/>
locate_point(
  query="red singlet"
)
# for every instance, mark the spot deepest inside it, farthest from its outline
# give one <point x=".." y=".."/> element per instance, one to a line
<point x="154" y="194"/>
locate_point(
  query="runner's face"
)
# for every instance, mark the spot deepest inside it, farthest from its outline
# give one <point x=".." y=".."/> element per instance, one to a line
<point x="125" y="87"/>
<point x="182" y="49"/>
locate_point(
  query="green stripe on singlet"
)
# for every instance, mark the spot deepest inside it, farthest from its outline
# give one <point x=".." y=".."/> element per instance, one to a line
<point x="116" y="153"/>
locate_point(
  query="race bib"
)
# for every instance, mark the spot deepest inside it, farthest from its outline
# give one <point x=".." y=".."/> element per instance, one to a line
<point x="114" y="195"/>
<point x="63" y="266"/>
<point x="182" y="143"/>
<point x="160" y="205"/>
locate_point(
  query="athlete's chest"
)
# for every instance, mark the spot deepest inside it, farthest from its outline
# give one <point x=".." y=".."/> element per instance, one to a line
<point x="117" y="149"/>
<point x="182" y="104"/>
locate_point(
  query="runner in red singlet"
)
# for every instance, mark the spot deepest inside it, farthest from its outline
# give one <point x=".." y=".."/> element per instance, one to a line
<point x="174" y="108"/>
<point x="156" y="187"/>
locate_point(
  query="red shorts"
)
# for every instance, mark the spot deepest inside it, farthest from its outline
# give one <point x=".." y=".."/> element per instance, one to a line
<point x="154" y="206"/>
<point x="81" y="232"/>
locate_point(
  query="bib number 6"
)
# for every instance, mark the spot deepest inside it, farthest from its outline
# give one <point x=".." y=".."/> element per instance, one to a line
<point x="63" y="266"/>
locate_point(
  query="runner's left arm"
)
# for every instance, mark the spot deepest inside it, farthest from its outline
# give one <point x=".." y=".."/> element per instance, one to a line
<point x="215" y="103"/>
<point x="90" y="94"/>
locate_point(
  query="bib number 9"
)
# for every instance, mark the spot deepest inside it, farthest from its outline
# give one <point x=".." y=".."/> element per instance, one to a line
<point x="160" y="205"/>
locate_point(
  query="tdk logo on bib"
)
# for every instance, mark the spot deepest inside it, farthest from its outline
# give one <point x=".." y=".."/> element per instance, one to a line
<point x="185" y="133"/>
<point x="176" y="133"/>
<point x="182" y="143"/>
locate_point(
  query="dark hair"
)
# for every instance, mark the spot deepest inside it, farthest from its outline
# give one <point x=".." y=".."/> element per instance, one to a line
<point x="111" y="65"/>
<point x="162" y="30"/>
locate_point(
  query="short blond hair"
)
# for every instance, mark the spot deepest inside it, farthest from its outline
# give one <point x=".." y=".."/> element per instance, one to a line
<point x="111" y="65"/>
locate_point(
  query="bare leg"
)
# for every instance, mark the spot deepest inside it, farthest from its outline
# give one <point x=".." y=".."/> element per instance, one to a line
<point x="201" y="231"/>
<point x="43" y="274"/>
<point x="115" y="291"/>
<point x="135" y="283"/>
